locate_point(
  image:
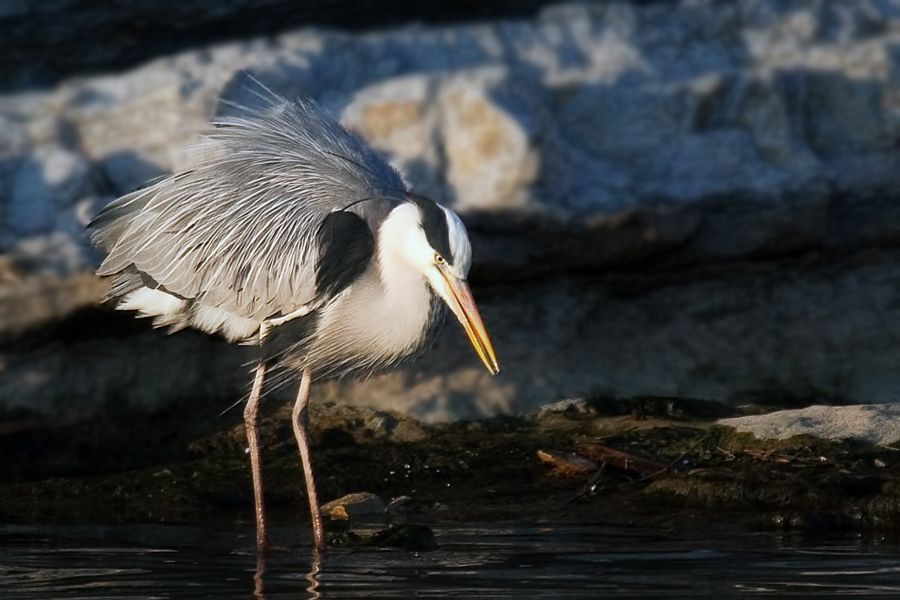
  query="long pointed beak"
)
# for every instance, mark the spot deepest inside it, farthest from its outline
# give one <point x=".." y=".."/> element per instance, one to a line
<point x="463" y="306"/>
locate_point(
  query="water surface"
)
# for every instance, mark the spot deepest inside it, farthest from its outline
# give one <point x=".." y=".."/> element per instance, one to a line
<point x="486" y="560"/>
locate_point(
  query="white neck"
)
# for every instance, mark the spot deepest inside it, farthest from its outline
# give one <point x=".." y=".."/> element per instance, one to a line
<point x="403" y="256"/>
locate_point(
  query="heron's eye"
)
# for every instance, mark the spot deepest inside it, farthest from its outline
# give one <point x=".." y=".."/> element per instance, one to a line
<point x="438" y="259"/>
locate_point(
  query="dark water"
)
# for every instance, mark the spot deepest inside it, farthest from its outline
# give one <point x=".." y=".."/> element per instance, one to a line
<point x="504" y="560"/>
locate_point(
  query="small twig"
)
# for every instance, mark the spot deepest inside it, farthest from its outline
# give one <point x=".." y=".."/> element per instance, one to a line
<point x="596" y="477"/>
<point x="770" y="455"/>
<point x="729" y="456"/>
<point x="589" y="486"/>
<point x="672" y="464"/>
<point x="619" y="458"/>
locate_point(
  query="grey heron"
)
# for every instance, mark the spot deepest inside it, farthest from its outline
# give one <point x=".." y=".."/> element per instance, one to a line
<point x="292" y="234"/>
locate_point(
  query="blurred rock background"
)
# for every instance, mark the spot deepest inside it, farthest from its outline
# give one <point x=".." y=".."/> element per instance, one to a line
<point x="690" y="198"/>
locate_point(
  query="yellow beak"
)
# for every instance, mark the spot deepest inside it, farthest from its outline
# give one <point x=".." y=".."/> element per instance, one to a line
<point x="461" y="302"/>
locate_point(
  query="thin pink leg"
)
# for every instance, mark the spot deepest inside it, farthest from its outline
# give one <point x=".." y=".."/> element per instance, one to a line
<point x="251" y="424"/>
<point x="299" y="423"/>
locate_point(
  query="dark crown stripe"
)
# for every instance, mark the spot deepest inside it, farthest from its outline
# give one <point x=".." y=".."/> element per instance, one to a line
<point x="434" y="222"/>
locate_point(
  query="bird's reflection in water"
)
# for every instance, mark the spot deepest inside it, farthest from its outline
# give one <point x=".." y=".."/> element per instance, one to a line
<point x="259" y="577"/>
<point x="312" y="577"/>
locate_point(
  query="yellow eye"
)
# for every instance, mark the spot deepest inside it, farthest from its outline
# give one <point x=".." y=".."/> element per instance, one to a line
<point x="438" y="259"/>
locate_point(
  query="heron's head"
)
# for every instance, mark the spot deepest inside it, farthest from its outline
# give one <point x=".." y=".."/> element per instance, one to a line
<point x="433" y="240"/>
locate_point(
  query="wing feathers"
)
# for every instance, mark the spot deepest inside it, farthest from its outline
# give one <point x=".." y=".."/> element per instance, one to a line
<point x="242" y="231"/>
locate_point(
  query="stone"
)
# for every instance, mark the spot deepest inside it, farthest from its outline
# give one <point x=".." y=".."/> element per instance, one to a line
<point x="399" y="506"/>
<point x="47" y="42"/>
<point x="61" y="253"/>
<point x="662" y="202"/>
<point x="490" y="160"/>
<point x="872" y="423"/>
<point x="408" y="431"/>
<point x="366" y="425"/>
<point x="127" y="172"/>
<point x="355" y="506"/>
<point x="571" y="407"/>
<point x="49" y="179"/>
<point x="409" y="536"/>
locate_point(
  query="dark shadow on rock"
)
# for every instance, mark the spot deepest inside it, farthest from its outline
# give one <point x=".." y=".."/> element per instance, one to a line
<point x="424" y="178"/>
<point x="104" y="388"/>
<point x="346" y="65"/>
<point x="126" y="171"/>
<point x="45" y="42"/>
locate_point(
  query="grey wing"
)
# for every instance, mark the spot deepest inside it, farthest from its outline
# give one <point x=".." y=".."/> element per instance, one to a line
<point x="243" y="230"/>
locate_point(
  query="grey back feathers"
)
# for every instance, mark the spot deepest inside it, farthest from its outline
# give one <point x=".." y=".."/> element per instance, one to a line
<point x="245" y="229"/>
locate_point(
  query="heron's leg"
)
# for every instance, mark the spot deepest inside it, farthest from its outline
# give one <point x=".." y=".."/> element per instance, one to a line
<point x="299" y="423"/>
<point x="251" y="424"/>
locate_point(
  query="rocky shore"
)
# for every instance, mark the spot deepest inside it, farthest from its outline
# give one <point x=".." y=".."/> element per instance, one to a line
<point x="656" y="460"/>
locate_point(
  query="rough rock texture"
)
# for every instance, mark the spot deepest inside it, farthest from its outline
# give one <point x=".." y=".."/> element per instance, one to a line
<point x="44" y="41"/>
<point x="875" y="424"/>
<point x="691" y="198"/>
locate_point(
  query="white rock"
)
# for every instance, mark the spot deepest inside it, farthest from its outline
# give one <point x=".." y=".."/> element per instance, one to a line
<point x="873" y="423"/>
<point x="569" y="407"/>
<point x="490" y="160"/>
